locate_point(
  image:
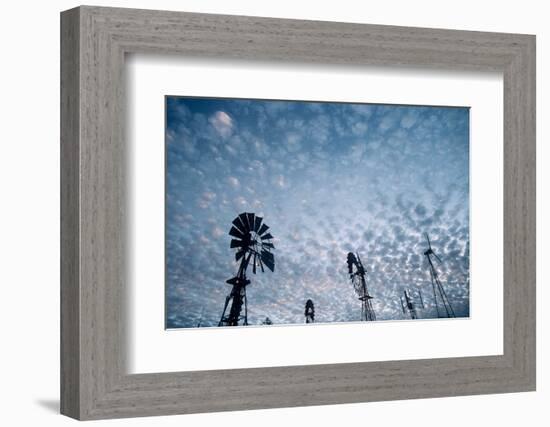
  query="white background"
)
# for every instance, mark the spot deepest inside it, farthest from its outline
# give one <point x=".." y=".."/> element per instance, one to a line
<point x="29" y="182"/>
<point x="154" y="350"/>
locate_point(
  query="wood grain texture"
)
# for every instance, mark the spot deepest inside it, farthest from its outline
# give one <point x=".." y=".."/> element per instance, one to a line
<point x="70" y="292"/>
<point x="94" y="380"/>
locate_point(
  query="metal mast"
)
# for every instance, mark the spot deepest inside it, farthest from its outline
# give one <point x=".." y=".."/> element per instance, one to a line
<point x="360" y="285"/>
<point x="310" y="311"/>
<point x="408" y="303"/>
<point x="253" y="246"/>
<point x="200" y="318"/>
<point x="437" y="287"/>
<point x="237" y="298"/>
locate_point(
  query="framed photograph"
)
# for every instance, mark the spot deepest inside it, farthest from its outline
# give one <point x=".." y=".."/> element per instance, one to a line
<point x="341" y="181"/>
<point x="297" y="212"/>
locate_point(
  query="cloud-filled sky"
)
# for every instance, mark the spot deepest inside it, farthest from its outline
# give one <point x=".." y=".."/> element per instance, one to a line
<point x="328" y="178"/>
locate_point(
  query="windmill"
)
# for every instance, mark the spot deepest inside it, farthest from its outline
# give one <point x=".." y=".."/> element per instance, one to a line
<point x="360" y="285"/>
<point x="437" y="287"/>
<point x="200" y="318"/>
<point x="310" y="311"/>
<point x="253" y="245"/>
<point x="409" y="302"/>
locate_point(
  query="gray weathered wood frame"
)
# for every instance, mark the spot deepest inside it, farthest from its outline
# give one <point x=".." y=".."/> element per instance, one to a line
<point x="94" y="41"/>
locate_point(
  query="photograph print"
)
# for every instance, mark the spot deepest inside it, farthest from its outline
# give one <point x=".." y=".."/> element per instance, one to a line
<point x="300" y="212"/>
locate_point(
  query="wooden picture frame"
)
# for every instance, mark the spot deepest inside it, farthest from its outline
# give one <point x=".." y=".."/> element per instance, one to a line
<point x="94" y="382"/>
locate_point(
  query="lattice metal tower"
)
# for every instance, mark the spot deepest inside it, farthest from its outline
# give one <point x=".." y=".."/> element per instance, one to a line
<point x="357" y="275"/>
<point x="437" y="287"/>
<point x="409" y="302"/>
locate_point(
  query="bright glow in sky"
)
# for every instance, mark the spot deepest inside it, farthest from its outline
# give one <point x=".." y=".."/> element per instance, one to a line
<point x="328" y="178"/>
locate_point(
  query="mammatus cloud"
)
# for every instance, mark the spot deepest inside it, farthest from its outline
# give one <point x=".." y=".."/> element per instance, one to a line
<point x="328" y="179"/>
<point x="222" y="122"/>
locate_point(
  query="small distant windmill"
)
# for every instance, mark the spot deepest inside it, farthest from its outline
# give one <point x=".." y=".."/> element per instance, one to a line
<point x="200" y="318"/>
<point x="310" y="311"/>
<point x="409" y="302"/>
<point x="360" y="285"/>
<point x="437" y="287"/>
<point x="254" y="246"/>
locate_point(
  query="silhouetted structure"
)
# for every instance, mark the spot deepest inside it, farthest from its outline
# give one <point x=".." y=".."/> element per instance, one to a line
<point x="310" y="311"/>
<point x="200" y="318"/>
<point x="267" y="321"/>
<point x="360" y="285"/>
<point x="253" y="245"/>
<point x="437" y="287"/>
<point x="408" y="303"/>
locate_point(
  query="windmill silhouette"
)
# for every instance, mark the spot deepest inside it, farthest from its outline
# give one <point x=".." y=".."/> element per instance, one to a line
<point x="253" y="245"/>
<point x="437" y="287"/>
<point x="360" y="285"/>
<point x="310" y="311"/>
<point x="409" y="303"/>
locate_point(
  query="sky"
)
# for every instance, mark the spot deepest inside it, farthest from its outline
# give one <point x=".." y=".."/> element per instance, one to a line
<point x="328" y="178"/>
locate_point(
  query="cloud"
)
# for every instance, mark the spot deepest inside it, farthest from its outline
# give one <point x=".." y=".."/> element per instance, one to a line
<point x="387" y="122"/>
<point x="408" y="120"/>
<point x="359" y="128"/>
<point x="420" y="210"/>
<point x="233" y="182"/>
<point x="293" y="142"/>
<point x="222" y="122"/>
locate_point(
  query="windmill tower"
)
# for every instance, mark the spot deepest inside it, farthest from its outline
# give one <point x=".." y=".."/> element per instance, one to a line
<point x="360" y="285"/>
<point x="409" y="302"/>
<point x="437" y="287"/>
<point x="253" y="246"/>
<point x="200" y="318"/>
<point x="310" y="311"/>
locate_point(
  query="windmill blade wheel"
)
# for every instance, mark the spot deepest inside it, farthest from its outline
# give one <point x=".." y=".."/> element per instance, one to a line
<point x="252" y="242"/>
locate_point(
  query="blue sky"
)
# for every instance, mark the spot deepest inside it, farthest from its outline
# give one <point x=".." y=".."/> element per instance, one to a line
<point x="328" y="178"/>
